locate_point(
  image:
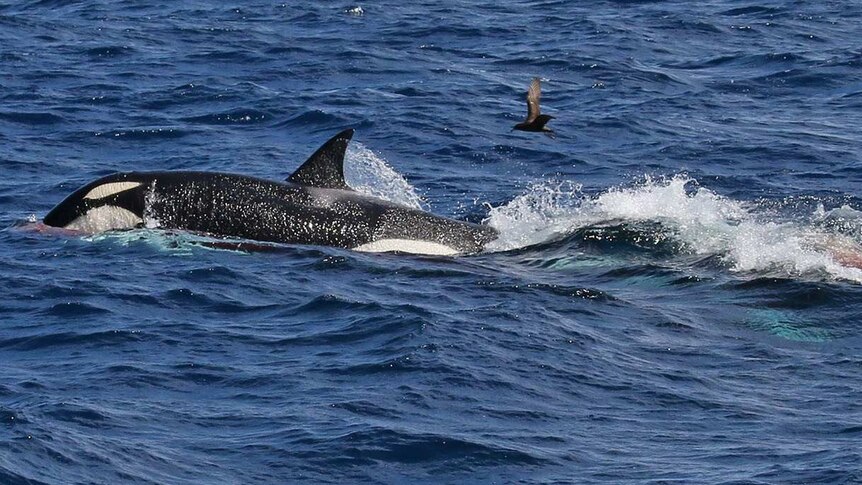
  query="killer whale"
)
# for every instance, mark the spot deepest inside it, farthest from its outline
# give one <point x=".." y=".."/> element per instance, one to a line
<point x="314" y="206"/>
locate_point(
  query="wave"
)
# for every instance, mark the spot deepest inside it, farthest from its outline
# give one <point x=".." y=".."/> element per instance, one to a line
<point x="313" y="118"/>
<point x="745" y="236"/>
<point x="108" y="51"/>
<point x="236" y="116"/>
<point x="31" y="118"/>
<point x="144" y="134"/>
<point x="195" y="93"/>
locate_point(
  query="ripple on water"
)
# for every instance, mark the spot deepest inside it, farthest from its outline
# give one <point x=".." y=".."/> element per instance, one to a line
<point x="109" y="52"/>
<point x="153" y="134"/>
<point x="100" y="339"/>
<point x="78" y="414"/>
<point x="31" y="118"/>
<point x="235" y="116"/>
<point x="74" y="309"/>
<point x="405" y="446"/>
<point x="314" y="118"/>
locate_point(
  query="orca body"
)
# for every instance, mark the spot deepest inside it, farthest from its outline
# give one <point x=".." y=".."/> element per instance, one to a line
<point x="314" y="206"/>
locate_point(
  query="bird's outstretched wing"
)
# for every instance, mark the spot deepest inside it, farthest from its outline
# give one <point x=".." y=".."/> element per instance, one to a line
<point x="533" y="96"/>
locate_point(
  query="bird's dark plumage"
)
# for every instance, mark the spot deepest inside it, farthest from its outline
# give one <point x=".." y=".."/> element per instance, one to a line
<point x="535" y="120"/>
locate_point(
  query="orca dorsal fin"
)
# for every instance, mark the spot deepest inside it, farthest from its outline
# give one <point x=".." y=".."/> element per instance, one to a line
<point x="325" y="168"/>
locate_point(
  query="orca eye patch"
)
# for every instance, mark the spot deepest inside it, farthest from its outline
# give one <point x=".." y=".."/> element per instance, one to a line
<point x="120" y="194"/>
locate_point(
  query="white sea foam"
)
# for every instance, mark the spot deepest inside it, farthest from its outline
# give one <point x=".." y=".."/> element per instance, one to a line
<point x="745" y="236"/>
<point x="542" y="213"/>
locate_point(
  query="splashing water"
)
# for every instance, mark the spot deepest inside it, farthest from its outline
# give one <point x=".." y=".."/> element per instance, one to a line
<point x="150" y="220"/>
<point x="844" y="220"/>
<point x="544" y="212"/>
<point x="173" y="243"/>
<point x="370" y="174"/>
<point x="703" y="222"/>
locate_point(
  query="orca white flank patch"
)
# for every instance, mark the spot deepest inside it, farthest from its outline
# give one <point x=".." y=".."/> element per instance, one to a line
<point x="112" y="188"/>
<point x="407" y="246"/>
<point x="105" y="218"/>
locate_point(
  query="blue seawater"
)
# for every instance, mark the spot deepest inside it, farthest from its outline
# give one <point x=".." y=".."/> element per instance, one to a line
<point x="675" y="297"/>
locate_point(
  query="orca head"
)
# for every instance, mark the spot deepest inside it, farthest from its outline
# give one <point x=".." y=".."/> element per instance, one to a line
<point x="114" y="202"/>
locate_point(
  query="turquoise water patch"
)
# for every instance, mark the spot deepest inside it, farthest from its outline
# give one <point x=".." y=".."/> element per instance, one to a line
<point x="787" y="325"/>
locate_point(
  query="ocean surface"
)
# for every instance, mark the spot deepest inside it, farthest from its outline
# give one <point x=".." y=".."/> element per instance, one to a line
<point x="676" y="295"/>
